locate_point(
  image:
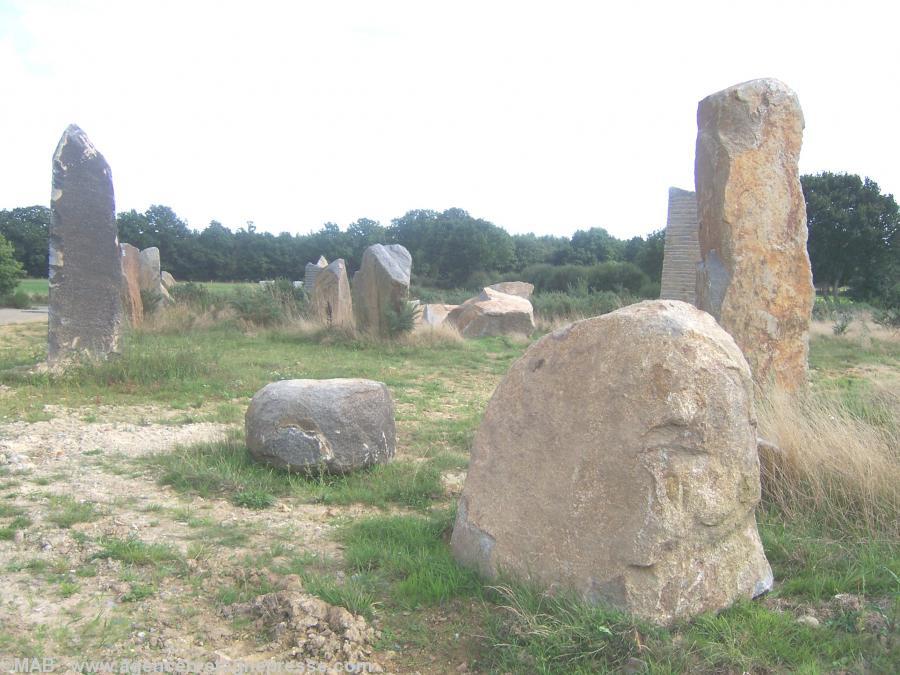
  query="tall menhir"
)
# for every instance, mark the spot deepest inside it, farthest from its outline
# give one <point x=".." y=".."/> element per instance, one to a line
<point x="86" y="313"/>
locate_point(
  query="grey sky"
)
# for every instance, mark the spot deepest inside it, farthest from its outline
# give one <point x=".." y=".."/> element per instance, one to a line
<point x="544" y="117"/>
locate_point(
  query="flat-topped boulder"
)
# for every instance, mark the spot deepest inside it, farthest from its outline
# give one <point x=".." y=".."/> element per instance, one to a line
<point x="334" y="426"/>
<point x="331" y="300"/>
<point x="755" y="276"/>
<point x="381" y="286"/>
<point x="85" y="287"/>
<point x="617" y="459"/>
<point x="520" y="288"/>
<point x="493" y="313"/>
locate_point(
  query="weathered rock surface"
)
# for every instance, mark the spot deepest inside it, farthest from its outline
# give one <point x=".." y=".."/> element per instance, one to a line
<point x="682" y="248"/>
<point x="168" y="281"/>
<point x="381" y="285"/>
<point x="520" y="288"/>
<point x="755" y="276"/>
<point x="493" y="313"/>
<point x="435" y="313"/>
<point x="321" y="425"/>
<point x="151" y="276"/>
<point x="131" y="283"/>
<point x="331" y="300"/>
<point x="618" y="459"/>
<point x="312" y="270"/>
<point x="85" y="313"/>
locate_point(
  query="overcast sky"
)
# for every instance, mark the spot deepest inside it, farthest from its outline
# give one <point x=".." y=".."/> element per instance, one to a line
<point x="545" y="117"/>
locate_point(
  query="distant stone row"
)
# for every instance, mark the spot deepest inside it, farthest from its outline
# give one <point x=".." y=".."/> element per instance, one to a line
<point x="381" y="288"/>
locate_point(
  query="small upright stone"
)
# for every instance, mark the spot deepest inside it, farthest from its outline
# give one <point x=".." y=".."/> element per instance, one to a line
<point x="380" y="286"/>
<point x="131" y="286"/>
<point x="86" y="313"/>
<point x="330" y="300"/>
<point x="682" y="248"/>
<point x="617" y="459"/>
<point x="755" y="276"/>
<point x="151" y="275"/>
<point x="168" y="281"/>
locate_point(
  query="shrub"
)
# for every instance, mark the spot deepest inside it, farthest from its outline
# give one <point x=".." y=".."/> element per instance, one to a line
<point x="150" y="300"/>
<point x="257" y="306"/>
<point x="193" y="294"/>
<point x="403" y="321"/>
<point x="19" y="300"/>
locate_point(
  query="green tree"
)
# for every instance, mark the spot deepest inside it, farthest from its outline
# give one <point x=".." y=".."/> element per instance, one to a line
<point x="27" y="229"/>
<point x="853" y="234"/>
<point x="10" y="269"/>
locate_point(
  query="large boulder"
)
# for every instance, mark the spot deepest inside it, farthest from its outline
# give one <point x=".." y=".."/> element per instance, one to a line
<point x="755" y="276"/>
<point x="131" y="284"/>
<point x="520" y="288"/>
<point x="335" y="426"/>
<point x="493" y="313"/>
<point x="331" y="300"/>
<point x="380" y="286"/>
<point x="628" y="442"/>
<point x="85" y="312"/>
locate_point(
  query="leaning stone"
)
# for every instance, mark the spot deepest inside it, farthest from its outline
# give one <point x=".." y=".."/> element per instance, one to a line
<point x="85" y="313"/>
<point x="331" y="301"/>
<point x="321" y="425"/>
<point x="131" y="287"/>
<point x="617" y="459"/>
<point x="168" y="281"/>
<point x="493" y="313"/>
<point x="380" y="286"/>
<point x="755" y="276"/>
<point x="520" y="288"/>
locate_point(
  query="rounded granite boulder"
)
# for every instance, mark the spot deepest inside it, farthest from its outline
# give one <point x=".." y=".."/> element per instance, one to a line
<point x="335" y="426"/>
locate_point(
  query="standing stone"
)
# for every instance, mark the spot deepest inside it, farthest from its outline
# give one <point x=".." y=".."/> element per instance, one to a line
<point x="381" y="285"/>
<point x="755" y="276"/>
<point x="335" y="425"/>
<point x="682" y="248"/>
<point x="312" y="270"/>
<point x="131" y="284"/>
<point x="433" y="314"/>
<point x="331" y="301"/>
<point x="617" y="459"/>
<point x="85" y="314"/>
<point x="151" y="276"/>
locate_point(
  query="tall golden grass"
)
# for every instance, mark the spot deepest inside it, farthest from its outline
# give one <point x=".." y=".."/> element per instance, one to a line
<point x="830" y="461"/>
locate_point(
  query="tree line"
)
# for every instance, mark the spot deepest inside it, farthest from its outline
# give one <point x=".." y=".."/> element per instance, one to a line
<point x="854" y="243"/>
<point x="450" y="249"/>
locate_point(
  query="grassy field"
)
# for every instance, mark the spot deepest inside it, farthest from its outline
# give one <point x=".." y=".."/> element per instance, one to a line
<point x="142" y="547"/>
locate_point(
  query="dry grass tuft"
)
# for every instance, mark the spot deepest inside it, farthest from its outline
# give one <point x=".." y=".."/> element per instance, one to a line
<point x="548" y="324"/>
<point x="442" y="335"/>
<point x="181" y="317"/>
<point x="831" y="461"/>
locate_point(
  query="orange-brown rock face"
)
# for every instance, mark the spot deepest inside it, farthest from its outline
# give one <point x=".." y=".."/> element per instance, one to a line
<point x="131" y="288"/>
<point x="755" y="276"/>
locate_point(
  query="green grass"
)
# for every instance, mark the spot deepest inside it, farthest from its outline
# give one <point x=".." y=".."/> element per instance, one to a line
<point x="66" y="511"/>
<point x="34" y="286"/>
<point x="226" y="469"/>
<point x="133" y="551"/>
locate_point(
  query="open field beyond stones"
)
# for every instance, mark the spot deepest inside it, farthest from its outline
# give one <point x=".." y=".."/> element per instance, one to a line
<point x="131" y="518"/>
